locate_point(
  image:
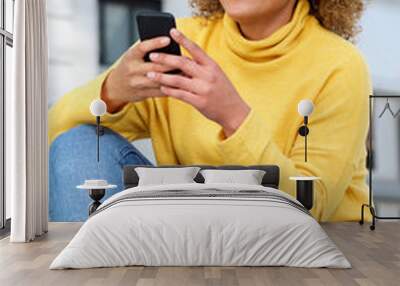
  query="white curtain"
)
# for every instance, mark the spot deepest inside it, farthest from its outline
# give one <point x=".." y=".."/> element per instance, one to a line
<point x="26" y="119"/>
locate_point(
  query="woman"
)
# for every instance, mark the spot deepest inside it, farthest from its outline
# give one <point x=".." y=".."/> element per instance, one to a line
<point x="247" y="64"/>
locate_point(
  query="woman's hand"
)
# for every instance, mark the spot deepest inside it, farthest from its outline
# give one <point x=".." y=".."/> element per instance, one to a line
<point x="203" y="85"/>
<point x="127" y="82"/>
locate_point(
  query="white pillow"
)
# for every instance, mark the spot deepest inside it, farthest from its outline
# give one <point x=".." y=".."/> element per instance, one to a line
<point x="166" y="176"/>
<point x="247" y="177"/>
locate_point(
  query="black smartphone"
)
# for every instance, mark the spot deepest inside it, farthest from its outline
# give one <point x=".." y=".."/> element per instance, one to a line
<point x="157" y="24"/>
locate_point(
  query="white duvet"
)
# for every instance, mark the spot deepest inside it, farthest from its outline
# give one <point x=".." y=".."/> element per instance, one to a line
<point x="200" y="231"/>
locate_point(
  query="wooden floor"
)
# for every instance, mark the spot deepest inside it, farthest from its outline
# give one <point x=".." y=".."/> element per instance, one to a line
<point x="375" y="257"/>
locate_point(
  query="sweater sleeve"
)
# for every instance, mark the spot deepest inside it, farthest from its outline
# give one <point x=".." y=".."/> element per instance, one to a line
<point x="73" y="109"/>
<point x="336" y="143"/>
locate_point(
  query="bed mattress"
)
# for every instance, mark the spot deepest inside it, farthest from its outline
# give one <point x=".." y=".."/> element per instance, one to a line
<point x="201" y="225"/>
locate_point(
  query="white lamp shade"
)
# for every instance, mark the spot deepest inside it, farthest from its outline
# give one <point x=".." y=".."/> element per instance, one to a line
<point x="98" y="107"/>
<point x="305" y="107"/>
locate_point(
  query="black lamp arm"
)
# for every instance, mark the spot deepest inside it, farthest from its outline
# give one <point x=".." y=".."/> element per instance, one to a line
<point x="304" y="131"/>
<point x="98" y="137"/>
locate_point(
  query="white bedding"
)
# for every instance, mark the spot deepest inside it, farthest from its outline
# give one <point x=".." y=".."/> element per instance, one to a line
<point x="202" y="231"/>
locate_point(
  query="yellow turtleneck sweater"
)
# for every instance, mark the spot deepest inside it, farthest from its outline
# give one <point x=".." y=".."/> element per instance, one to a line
<point x="301" y="60"/>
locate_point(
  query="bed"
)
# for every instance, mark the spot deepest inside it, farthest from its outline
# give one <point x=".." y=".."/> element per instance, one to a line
<point x="198" y="224"/>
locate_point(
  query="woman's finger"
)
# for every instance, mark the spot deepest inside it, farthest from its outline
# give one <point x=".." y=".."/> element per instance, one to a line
<point x="142" y="83"/>
<point x="196" y="52"/>
<point x="180" y="94"/>
<point x="144" y="68"/>
<point x="177" y="81"/>
<point x="188" y="66"/>
<point x="149" y="93"/>
<point x="139" y="50"/>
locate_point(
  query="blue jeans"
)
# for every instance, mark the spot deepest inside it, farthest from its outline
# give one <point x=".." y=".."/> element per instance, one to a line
<point x="73" y="160"/>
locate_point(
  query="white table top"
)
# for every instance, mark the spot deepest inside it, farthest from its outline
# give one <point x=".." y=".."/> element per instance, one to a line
<point x="304" y="178"/>
<point x="88" y="187"/>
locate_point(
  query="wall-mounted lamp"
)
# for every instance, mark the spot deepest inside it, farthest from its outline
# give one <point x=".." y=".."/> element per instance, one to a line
<point x="305" y="185"/>
<point x="305" y="108"/>
<point x="98" y="108"/>
<point x="97" y="187"/>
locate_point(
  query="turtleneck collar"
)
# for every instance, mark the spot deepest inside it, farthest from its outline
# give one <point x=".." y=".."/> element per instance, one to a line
<point x="280" y="42"/>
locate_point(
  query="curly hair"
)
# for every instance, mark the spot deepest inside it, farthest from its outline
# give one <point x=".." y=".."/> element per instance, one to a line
<point x="338" y="16"/>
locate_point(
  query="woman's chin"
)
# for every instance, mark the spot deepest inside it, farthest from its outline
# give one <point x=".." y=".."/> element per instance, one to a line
<point x="240" y="15"/>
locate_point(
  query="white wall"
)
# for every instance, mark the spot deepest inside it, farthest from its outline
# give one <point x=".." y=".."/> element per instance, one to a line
<point x="380" y="42"/>
<point x="73" y="44"/>
<point x="180" y="8"/>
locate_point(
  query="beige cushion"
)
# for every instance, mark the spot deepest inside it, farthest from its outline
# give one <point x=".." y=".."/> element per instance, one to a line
<point x="246" y="177"/>
<point x="162" y="176"/>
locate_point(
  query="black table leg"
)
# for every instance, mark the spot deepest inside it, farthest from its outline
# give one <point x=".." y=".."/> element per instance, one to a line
<point x="305" y="193"/>
<point x="96" y="196"/>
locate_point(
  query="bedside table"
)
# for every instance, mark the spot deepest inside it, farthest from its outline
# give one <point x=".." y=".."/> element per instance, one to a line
<point x="97" y="190"/>
<point x="305" y="190"/>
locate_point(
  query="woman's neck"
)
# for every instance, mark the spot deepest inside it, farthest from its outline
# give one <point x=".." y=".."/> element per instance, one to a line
<point x="263" y="27"/>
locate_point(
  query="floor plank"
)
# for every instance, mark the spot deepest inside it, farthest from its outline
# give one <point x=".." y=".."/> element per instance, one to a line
<point x="375" y="257"/>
